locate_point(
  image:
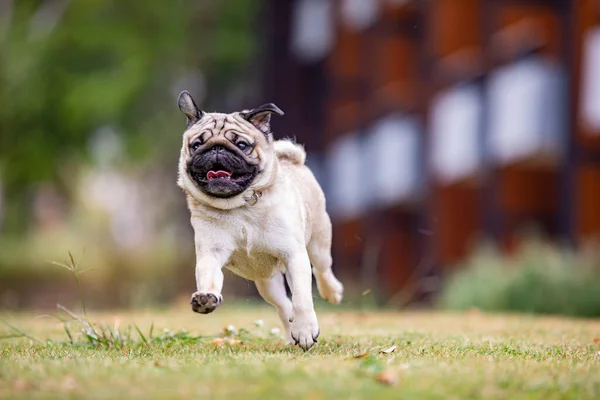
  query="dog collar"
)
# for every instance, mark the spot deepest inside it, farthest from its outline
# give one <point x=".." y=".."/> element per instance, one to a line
<point x="252" y="198"/>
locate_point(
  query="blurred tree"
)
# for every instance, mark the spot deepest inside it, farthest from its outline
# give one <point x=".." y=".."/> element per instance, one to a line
<point x="68" y="68"/>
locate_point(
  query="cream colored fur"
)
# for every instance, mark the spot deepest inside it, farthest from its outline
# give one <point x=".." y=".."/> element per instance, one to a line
<point x="286" y="231"/>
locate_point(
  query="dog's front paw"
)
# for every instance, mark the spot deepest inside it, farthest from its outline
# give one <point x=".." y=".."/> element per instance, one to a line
<point x="205" y="303"/>
<point x="305" y="331"/>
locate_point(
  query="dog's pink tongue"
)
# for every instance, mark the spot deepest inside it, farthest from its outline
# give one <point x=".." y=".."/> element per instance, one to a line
<point x="217" y="174"/>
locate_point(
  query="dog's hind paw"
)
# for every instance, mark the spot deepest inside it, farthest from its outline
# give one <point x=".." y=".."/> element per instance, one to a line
<point x="330" y="289"/>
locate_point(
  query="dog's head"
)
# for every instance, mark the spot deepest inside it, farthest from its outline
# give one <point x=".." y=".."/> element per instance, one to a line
<point x="224" y="154"/>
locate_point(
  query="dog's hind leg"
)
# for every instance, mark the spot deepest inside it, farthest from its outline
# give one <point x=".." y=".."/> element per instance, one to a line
<point x="319" y="252"/>
<point x="274" y="293"/>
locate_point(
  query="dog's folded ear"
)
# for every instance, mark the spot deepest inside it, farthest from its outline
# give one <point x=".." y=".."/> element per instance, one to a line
<point x="188" y="107"/>
<point x="261" y="117"/>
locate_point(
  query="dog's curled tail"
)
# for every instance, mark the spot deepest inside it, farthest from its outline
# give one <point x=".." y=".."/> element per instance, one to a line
<point x="290" y="151"/>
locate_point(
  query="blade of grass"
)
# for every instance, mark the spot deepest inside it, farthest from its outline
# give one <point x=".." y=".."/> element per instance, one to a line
<point x="76" y="276"/>
<point x="53" y="316"/>
<point x="137" y="328"/>
<point x="13" y="336"/>
<point x="73" y="315"/>
<point x="68" y="331"/>
<point x="151" y="331"/>
<point x="19" y="331"/>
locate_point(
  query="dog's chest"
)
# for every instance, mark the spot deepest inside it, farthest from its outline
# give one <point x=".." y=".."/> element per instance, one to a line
<point x="255" y="256"/>
<point x="253" y="266"/>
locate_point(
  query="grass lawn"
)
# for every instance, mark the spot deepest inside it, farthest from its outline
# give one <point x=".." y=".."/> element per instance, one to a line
<point x="438" y="356"/>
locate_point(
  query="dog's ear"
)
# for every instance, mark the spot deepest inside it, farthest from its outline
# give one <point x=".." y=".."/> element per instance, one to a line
<point x="261" y="117"/>
<point x="188" y="107"/>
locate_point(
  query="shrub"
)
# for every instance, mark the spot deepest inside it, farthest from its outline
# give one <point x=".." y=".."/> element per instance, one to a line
<point x="539" y="278"/>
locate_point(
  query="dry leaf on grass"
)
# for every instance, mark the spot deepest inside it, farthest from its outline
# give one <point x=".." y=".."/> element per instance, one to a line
<point x="389" y="350"/>
<point x="387" y="378"/>
<point x="361" y="355"/>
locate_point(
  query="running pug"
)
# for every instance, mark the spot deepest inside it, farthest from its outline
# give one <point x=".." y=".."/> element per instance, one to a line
<point x="258" y="211"/>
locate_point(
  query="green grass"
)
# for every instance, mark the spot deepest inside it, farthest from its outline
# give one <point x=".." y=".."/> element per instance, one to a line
<point x="438" y="356"/>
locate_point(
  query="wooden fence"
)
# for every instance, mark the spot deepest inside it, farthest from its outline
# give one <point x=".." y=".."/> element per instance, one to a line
<point x="435" y="123"/>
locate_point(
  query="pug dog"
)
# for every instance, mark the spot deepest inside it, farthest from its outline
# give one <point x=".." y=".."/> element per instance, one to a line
<point x="257" y="210"/>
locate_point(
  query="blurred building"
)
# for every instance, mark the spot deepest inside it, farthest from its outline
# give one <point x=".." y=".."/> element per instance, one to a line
<point x="433" y="123"/>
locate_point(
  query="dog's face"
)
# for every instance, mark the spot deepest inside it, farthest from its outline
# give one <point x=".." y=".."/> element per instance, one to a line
<point x="224" y="154"/>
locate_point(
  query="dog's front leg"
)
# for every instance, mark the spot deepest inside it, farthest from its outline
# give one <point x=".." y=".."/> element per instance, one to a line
<point x="209" y="283"/>
<point x="305" y="327"/>
<point x="210" y="260"/>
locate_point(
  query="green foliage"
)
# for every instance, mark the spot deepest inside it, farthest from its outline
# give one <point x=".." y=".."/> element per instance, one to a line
<point x="66" y="72"/>
<point x="538" y="279"/>
<point x="233" y="46"/>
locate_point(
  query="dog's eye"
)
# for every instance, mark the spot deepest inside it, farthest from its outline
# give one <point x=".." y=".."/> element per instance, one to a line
<point x="242" y="145"/>
<point x="194" y="146"/>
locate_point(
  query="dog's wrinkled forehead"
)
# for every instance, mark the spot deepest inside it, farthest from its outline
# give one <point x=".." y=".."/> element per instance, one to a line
<point x="246" y="121"/>
<point x="218" y="124"/>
